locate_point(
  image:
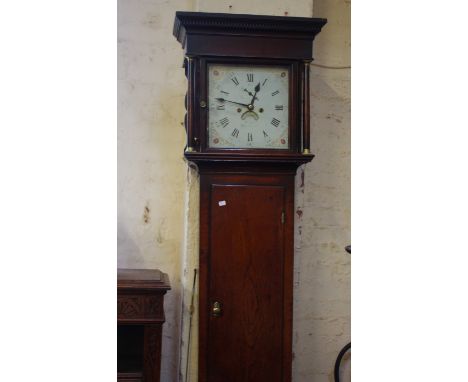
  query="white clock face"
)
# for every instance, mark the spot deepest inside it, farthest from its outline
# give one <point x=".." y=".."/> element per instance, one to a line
<point x="248" y="106"/>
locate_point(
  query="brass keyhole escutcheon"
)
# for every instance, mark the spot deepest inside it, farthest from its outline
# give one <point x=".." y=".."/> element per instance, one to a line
<point x="216" y="310"/>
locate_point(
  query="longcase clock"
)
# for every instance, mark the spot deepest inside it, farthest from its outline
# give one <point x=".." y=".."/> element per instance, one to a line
<point x="248" y="130"/>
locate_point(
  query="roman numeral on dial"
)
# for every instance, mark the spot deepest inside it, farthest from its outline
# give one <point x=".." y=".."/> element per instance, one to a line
<point x="235" y="80"/>
<point x="235" y="133"/>
<point x="275" y="92"/>
<point x="250" y="77"/>
<point x="220" y="107"/>
<point x="275" y="122"/>
<point x="224" y="122"/>
<point x="249" y="137"/>
<point x="279" y="107"/>
<point x="265" y="134"/>
<point x="264" y="81"/>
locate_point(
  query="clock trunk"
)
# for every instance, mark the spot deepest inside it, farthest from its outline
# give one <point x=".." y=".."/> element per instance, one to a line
<point x="246" y="263"/>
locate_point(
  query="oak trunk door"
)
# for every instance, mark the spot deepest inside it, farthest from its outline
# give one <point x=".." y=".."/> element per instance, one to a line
<point x="245" y="339"/>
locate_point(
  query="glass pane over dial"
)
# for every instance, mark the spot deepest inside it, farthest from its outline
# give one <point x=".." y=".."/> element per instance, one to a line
<point x="248" y="106"/>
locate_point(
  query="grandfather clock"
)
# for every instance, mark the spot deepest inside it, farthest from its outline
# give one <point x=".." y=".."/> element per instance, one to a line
<point x="247" y="126"/>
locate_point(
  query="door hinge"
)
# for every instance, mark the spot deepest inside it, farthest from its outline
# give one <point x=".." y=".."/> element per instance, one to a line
<point x="282" y="217"/>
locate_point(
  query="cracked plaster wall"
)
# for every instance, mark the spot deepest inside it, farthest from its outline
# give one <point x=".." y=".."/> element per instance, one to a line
<point x="322" y="315"/>
<point x="158" y="193"/>
<point x="151" y="172"/>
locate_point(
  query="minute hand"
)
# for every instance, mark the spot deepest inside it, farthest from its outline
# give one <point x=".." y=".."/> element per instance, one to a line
<point x="226" y="100"/>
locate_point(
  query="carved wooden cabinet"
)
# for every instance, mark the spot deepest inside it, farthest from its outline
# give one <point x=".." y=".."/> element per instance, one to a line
<point x="140" y="316"/>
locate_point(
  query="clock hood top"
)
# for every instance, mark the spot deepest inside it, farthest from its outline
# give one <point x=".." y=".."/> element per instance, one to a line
<point x="244" y="44"/>
<point x="196" y="31"/>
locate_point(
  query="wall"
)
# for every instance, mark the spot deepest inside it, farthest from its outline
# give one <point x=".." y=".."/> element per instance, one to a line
<point x="158" y="193"/>
<point x="322" y="293"/>
<point x="151" y="171"/>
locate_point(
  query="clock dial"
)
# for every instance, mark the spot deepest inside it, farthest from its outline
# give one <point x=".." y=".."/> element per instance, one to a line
<point x="248" y="107"/>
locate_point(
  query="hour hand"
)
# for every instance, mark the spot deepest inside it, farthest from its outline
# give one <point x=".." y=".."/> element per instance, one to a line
<point x="226" y="100"/>
<point x="257" y="89"/>
<point x="250" y="93"/>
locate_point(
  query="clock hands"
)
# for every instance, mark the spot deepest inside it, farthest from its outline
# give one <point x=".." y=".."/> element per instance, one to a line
<point x="249" y="93"/>
<point x="226" y="100"/>
<point x="257" y="89"/>
<point x="249" y="106"/>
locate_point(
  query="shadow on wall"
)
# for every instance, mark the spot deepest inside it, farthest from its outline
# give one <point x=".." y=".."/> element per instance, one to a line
<point x="128" y="253"/>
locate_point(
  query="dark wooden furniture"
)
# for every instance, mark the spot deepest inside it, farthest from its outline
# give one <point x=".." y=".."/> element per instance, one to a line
<point x="246" y="196"/>
<point x="140" y="316"/>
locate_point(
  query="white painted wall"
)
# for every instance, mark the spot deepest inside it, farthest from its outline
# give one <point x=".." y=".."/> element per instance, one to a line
<point x="151" y="171"/>
<point x="322" y="291"/>
<point x="158" y="194"/>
